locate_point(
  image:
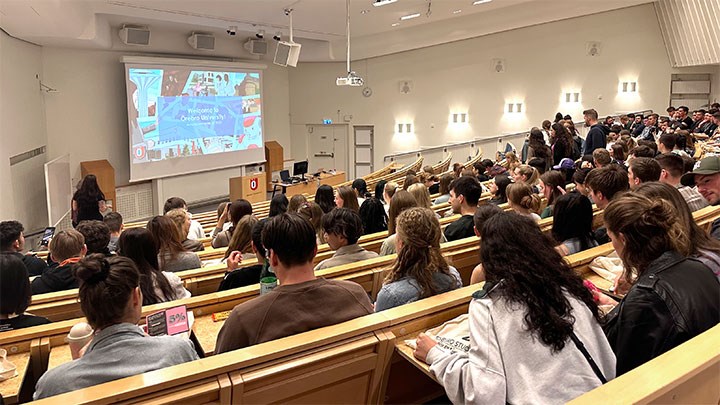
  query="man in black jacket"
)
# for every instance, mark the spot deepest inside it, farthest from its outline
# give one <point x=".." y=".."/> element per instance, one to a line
<point x="66" y="248"/>
<point x="597" y="137"/>
<point x="12" y="241"/>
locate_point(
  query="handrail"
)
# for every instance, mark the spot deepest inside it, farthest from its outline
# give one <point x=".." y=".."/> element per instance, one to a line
<point x="473" y="141"/>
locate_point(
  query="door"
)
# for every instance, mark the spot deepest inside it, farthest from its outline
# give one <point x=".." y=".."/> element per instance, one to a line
<point x="363" y="150"/>
<point x="327" y="147"/>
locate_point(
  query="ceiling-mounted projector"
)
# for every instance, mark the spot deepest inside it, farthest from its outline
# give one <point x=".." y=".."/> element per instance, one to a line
<point x="352" y="79"/>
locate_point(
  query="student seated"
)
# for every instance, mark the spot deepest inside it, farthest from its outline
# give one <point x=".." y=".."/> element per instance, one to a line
<point x="223" y="222"/>
<point x="313" y="213"/>
<point x="301" y="302"/>
<point x="66" y="248"/>
<point x="137" y="244"/>
<point x="114" y="222"/>
<point x="498" y="189"/>
<point x="345" y="197"/>
<point x="278" y="205"/>
<point x="343" y="228"/>
<point x="359" y="186"/>
<point x="196" y="230"/>
<point x="400" y="201"/>
<point x="242" y="238"/>
<point x="523" y="201"/>
<point x="483" y="213"/>
<point x="232" y="213"/>
<point x="111" y="300"/>
<point x="172" y="255"/>
<point x="181" y="218"/>
<point x="572" y="224"/>
<point x="12" y="242"/>
<point x="373" y="216"/>
<point x="420" y="270"/>
<point x="672" y="298"/>
<point x="97" y="236"/>
<point x="604" y="184"/>
<point x="295" y="202"/>
<point x="15" y="295"/>
<point x="464" y="196"/>
<point x="523" y="325"/>
<point x="552" y="184"/>
<point x="325" y="198"/>
<point x="704" y="248"/>
<point x="444" y="189"/>
<point x="240" y="277"/>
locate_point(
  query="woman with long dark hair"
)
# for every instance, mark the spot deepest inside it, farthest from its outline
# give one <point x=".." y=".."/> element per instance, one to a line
<point x="88" y="201"/>
<point x="278" y="205"/>
<point x="672" y="298"/>
<point x="562" y="142"/>
<point x="373" y="216"/>
<point x="572" y="224"/>
<point x="325" y="198"/>
<point x="529" y="326"/>
<point x="346" y="198"/>
<point x="498" y="189"/>
<point x="111" y="300"/>
<point x="420" y="270"/>
<point x="538" y="149"/>
<point x="137" y="244"/>
<point x="552" y="184"/>
<point x="444" y="189"/>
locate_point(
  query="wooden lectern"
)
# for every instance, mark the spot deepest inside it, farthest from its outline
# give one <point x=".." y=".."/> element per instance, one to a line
<point x="252" y="188"/>
<point x="105" y="173"/>
<point x="274" y="158"/>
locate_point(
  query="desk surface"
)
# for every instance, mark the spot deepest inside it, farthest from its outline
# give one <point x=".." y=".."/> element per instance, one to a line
<point x="206" y="331"/>
<point x="10" y="388"/>
<point x="407" y="353"/>
<point x="59" y="355"/>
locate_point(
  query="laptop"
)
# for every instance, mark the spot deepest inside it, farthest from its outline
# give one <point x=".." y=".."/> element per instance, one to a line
<point x="285" y="176"/>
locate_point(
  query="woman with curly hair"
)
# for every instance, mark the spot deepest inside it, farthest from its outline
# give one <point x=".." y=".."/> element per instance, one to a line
<point x="562" y="142"/>
<point x="529" y="326"/>
<point x="420" y="270"/>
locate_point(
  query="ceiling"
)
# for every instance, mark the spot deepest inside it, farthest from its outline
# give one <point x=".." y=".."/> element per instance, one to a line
<point x="318" y="24"/>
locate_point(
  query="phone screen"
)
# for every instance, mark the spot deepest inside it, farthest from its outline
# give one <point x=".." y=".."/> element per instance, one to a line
<point x="49" y="233"/>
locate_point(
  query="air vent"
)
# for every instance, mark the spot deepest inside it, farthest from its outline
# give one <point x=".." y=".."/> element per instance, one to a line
<point x="27" y="155"/>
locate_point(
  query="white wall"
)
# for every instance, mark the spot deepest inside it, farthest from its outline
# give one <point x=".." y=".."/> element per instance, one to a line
<point x="88" y="117"/>
<point x="22" y="128"/>
<point x="715" y="96"/>
<point x="542" y="61"/>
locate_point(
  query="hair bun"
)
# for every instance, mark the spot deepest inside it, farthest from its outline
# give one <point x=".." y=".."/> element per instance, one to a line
<point x="92" y="269"/>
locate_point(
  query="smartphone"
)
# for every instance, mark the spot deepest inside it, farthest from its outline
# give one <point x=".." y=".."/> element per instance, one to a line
<point x="47" y="235"/>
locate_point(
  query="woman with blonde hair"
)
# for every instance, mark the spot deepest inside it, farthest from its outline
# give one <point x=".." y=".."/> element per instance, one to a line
<point x="523" y="201"/>
<point x="182" y="221"/>
<point x="511" y="161"/>
<point x="313" y="213"/>
<point x="242" y="238"/>
<point x="172" y="255"/>
<point x="421" y="194"/>
<point x="401" y="201"/>
<point x="346" y="198"/>
<point x="526" y="174"/>
<point x="420" y="270"/>
<point x="672" y="298"/>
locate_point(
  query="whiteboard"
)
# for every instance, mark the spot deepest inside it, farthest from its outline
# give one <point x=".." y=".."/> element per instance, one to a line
<point x="58" y="183"/>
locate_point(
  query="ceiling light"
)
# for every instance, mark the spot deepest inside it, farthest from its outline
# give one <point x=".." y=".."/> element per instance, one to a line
<point x="364" y="11"/>
<point x="410" y="16"/>
<point x="379" y="3"/>
<point x="475" y="3"/>
<point x="395" y="24"/>
<point x="457" y="11"/>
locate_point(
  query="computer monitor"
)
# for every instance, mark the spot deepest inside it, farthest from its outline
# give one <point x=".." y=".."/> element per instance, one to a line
<point x="300" y="168"/>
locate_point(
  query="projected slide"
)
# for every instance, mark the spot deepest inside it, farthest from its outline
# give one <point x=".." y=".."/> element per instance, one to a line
<point x="176" y="113"/>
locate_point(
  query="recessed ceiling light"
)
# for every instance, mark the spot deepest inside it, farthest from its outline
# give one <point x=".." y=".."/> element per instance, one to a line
<point x="457" y="11"/>
<point x="410" y="16"/>
<point x="395" y="24"/>
<point x="475" y="3"/>
<point x="364" y="11"/>
<point x="379" y="3"/>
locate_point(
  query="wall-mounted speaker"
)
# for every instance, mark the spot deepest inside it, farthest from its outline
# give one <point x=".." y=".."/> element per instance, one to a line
<point x="287" y="53"/>
<point x="135" y="35"/>
<point x="202" y="42"/>
<point x="256" y="46"/>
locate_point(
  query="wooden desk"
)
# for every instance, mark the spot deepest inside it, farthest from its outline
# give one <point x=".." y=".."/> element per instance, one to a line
<point x="10" y="388"/>
<point x="310" y="185"/>
<point x="59" y="355"/>
<point x="206" y="330"/>
<point x="406" y="352"/>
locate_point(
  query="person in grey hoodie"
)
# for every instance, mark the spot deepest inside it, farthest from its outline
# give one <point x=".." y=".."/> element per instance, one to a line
<point x="111" y="299"/>
<point x="535" y="335"/>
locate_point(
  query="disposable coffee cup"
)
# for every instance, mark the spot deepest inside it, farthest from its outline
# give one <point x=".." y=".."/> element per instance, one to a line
<point x="79" y="336"/>
<point x="267" y="284"/>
